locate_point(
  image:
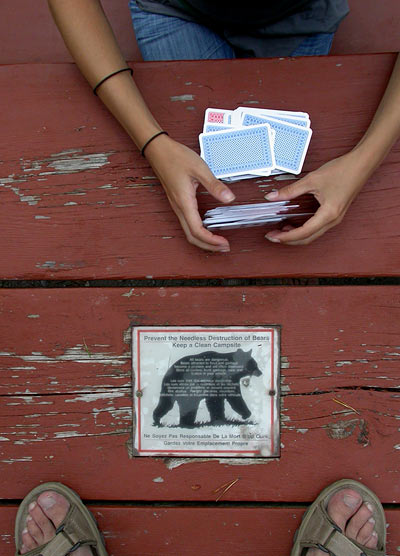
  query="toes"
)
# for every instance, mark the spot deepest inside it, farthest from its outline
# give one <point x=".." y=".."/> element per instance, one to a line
<point x="54" y="506"/>
<point x="34" y="530"/>
<point x="42" y="521"/>
<point x="365" y="532"/>
<point x="343" y="505"/>
<point x="28" y="542"/>
<point x="373" y="540"/>
<point x="358" y="521"/>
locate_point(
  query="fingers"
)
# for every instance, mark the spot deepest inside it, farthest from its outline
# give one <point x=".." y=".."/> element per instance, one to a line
<point x="316" y="226"/>
<point x="291" y="191"/>
<point x="195" y="232"/>
<point x="218" y="190"/>
<point x="197" y="235"/>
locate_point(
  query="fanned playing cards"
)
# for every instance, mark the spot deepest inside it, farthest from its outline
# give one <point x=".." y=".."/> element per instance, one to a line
<point x="252" y="142"/>
<point x="249" y="142"/>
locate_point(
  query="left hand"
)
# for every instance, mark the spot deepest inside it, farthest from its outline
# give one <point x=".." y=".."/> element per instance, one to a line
<point x="335" y="185"/>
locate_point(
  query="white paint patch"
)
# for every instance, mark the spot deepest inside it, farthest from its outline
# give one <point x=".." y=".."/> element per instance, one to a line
<point x="173" y="463"/>
<point x="17" y="460"/>
<point x="33" y="316"/>
<point x="158" y="480"/>
<point x="283" y="177"/>
<point x="78" y="354"/>
<point x="88" y="398"/>
<point x="70" y="162"/>
<point x="70" y="204"/>
<point x="129" y="293"/>
<point x="30" y="199"/>
<point x="182" y="98"/>
<point x="342" y="363"/>
<point x="40" y="217"/>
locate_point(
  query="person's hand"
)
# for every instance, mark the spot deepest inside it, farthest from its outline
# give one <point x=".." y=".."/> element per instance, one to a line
<point x="334" y="185"/>
<point x="181" y="171"/>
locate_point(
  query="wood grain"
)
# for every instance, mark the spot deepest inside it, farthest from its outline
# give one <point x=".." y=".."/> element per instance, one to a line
<point x="78" y="201"/>
<point x="65" y="394"/>
<point x="195" y="531"/>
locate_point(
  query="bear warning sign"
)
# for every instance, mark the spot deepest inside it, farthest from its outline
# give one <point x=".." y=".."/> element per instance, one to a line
<point x="201" y="391"/>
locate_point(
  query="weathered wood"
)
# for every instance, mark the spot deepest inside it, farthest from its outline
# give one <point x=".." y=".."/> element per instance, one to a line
<point x="29" y="35"/>
<point x="78" y="201"/>
<point x="196" y="531"/>
<point x="65" y="394"/>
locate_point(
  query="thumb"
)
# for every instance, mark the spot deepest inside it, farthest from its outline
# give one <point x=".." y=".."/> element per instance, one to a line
<point x="290" y="191"/>
<point x="218" y="190"/>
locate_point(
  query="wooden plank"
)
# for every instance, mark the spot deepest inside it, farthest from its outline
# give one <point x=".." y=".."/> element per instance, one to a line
<point x="75" y="194"/>
<point x="65" y="395"/>
<point x="29" y="35"/>
<point x="196" y="531"/>
<point x="361" y="31"/>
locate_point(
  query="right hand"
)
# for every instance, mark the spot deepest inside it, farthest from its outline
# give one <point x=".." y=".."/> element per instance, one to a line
<point x="181" y="171"/>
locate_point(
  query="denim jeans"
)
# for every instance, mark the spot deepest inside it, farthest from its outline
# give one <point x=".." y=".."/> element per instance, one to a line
<point x="162" y="37"/>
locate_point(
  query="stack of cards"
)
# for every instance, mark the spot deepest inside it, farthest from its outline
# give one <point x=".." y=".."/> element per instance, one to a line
<point x="249" y="142"/>
<point x="259" y="214"/>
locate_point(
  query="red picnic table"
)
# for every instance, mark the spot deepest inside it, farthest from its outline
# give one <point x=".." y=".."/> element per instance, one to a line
<point x="91" y="248"/>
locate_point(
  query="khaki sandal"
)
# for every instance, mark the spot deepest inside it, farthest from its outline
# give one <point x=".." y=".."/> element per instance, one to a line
<point x="317" y="529"/>
<point x="78" y="528"/>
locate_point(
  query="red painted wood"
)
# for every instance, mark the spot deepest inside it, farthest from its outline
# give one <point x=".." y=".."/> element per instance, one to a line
<point x="195" y="531"/>
<point x="65" y="414"/>
<point x="370" y="27"/>
<point x="29" y="35"/>
<point x="76" y="195"/>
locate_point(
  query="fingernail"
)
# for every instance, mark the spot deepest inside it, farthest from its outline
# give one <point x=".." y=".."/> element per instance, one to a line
<point x="47" y="502"/>
<point x="273" y="239"/>
<point x="369" y="506"/>
<point x="224" y="250"/>
<point x="32" y="505"/>
<point x="29" y="518"/>
<point x="351" y="501"/>
<point x="374" y="534"/>
<point x="24" y="531"/>
<point x="272" y="195"/>
<point x="227" y="196"/>
<point x="371" y="520"/>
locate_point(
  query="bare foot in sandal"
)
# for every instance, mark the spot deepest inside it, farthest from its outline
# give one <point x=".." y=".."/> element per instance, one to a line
<point x="44" y="516"/>
<point x="354" y="517"/>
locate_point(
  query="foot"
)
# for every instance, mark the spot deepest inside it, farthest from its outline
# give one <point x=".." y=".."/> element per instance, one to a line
<point x="355" y="518"/>
<point x="44" y="516"/>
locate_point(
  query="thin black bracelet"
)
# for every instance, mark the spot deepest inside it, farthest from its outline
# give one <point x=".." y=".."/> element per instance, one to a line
<point x="150" y="140"/>
<point x="108" y="77"/>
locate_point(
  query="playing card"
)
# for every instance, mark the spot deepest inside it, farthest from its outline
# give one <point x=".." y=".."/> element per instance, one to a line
<point x="238" y="151"/>
<point x="218" y="116"/>
<point x="291" y="142"/>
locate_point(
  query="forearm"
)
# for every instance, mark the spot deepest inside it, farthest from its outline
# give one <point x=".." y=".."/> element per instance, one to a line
<point x="90" y="40"/>
<point x="384" y="129"/>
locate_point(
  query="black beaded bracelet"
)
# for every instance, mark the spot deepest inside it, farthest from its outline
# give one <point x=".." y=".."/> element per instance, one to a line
<point x="108" y="77"/>
<point x="150" y="140"/>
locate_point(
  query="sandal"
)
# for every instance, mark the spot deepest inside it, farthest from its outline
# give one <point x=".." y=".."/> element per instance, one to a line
<point x="79" y="527"/>
<point x="317" y="529"/>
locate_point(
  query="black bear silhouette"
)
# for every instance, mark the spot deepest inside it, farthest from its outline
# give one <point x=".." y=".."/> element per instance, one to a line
<point x="210" y="375"/>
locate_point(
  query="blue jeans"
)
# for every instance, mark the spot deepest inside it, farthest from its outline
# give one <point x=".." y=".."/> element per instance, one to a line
<point x="162" y="37"/>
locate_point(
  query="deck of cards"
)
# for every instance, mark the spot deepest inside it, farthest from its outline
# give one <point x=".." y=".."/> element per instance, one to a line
<point x="256" y="214"/>
<point x="249" y="142"/>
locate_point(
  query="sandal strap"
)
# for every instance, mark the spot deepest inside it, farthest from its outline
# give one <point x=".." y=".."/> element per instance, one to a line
<point x="321" y="532"/>
<point x="70" y="535"/>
